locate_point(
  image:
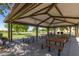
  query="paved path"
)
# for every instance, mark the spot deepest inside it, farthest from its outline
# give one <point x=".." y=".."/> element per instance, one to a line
<point x="71" y="48"/>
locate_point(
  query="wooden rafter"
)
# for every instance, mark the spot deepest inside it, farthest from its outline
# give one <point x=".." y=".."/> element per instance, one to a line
<point x="57" y="22"/>
<point x="15" y="6"/>
<point x="36" y="11"/>
<point x="50" y="7"/>
<point x="31" y="16"/>
<point x="58" y="10"/>
<point x="65" y="21"/>
<point x="39" y="20"/>
<point x="15" y="22"/>
<point x="62" y="26"/>
<point x="42" y="9"/>
<point x="24" y="6"/>
<point x="44" y="21"/>
<point x="51" y="22"/>
<point x="29" y="8"/>
<point x="34" y="14"/>
<point x="69" y="17"/>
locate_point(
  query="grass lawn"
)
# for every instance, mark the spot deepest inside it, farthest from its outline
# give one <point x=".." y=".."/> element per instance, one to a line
<point x="19" y="36"/>
<point x="22" y="35"/>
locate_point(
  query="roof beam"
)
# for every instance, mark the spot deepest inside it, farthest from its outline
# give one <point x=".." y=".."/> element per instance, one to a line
<point x="51" y="22"/>
<point x="42" y="9"/>
<point x="65" y="21"/>
<point x="50" y="7"/>
<point x="58" y="10"/>
<point x="31" y="8"/>
<point x="31" y="15"/>
<point x="62" y="26"/>
<point x="64" y="17"/>
<point x="60" y="19"/>
<point x="34" y="14"/>
<point x="38" y="20"/>
<point x="26" y="8"/>
<point x="15" y="6"/>
<point x="57" y="22"/>
<point x="15" y="22"/>
<point x="43" y="21"/>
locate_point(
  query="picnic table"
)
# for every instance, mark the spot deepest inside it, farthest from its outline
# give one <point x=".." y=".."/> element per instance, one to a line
<point x="62" y="41"/>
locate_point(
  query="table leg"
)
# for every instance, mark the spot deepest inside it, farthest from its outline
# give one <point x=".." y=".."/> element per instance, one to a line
<point x="49" y="49"/>
<point x="63" y="44"/>
<point x="55" y="43"/>
<point x="42" y="46"/>
<point x="60" y="44"/>
<point x="33" y="40"/>
<point x="59" y="52"/>
<point x="28" y="42"/>
<point x="46" y="41"/>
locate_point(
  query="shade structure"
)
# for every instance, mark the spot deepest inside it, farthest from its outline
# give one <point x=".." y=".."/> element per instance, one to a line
<point x="45" y="14"/>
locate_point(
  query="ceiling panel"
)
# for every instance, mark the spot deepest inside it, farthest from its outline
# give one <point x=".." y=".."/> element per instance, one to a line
<point x="41" y="17"/>
<point x="37" y="9"/>
<point x="69" y="9"/>
<point x="54" y="12"/>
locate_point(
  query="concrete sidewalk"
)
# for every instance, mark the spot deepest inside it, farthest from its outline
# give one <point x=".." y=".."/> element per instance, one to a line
<point x="72" y="47"/>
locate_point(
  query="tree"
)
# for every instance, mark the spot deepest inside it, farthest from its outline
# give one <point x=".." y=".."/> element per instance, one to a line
<point x="4" y="7"/>
<point x="20" y="28"/>
<point x="7" y="6"/>
<point x="34" y="29"/>
<point x="62" y="28"/>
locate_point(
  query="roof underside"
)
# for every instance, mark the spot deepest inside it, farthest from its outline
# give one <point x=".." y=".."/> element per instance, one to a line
<point x="45" y="15"/>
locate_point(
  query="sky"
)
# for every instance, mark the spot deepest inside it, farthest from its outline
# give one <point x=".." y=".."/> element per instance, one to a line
<point x="2" y="24"/>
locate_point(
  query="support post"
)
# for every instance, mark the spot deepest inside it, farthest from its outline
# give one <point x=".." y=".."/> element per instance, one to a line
<point x="76" y="30"/>
<point x="36" y="33"/>
<point x="70" y="31"/>
<point x="54" y="31"/>
<point x="10" y="31"/>
<point x="48" y="31"/>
